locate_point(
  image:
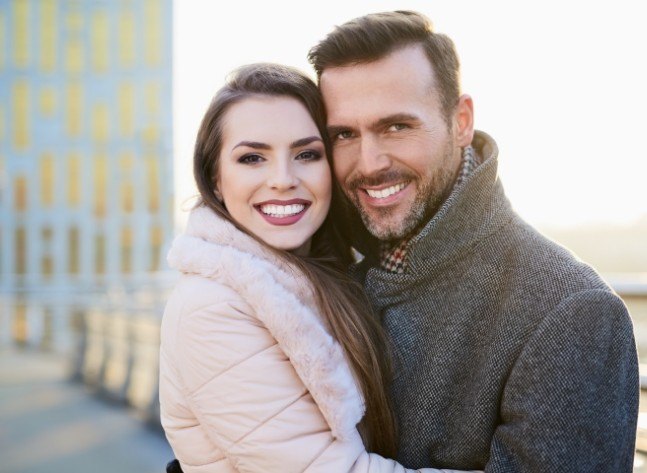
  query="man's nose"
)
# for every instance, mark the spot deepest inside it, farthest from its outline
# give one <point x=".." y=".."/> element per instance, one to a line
<point x="282" y="176"/>
<point x="373" y="158"/>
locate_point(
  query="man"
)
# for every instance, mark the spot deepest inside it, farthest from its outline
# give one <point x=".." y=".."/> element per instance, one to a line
<point x="510" y="354"/>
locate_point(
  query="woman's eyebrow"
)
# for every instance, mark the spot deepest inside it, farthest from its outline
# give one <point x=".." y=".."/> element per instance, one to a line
<point x="252" y="144"/>
<point x="304" y="141"/>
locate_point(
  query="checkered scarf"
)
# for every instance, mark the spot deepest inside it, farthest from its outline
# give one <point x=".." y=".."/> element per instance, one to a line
<point x="393" y="257"/>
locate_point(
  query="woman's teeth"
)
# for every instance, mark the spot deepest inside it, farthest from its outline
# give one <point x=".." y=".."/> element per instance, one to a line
<point x="282" y="210"/>
<point x="382" y="193"/>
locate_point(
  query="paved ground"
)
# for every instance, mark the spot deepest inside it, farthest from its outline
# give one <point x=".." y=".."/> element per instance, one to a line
<point x="51" y="425"/>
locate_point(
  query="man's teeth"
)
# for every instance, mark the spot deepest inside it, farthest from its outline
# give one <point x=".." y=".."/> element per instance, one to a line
<point x="282" y="210"/>
<point x="382" y="193"/>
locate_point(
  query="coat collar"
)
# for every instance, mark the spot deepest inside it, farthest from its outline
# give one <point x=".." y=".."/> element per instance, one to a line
<point x="476" y="209"/>
<point x="283" y="301"/>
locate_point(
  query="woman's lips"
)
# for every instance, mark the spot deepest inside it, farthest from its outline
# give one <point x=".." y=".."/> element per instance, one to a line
<point x="283" y="212"/>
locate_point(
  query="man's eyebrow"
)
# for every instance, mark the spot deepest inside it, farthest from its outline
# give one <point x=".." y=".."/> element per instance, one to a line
<point x="333" y="130"/>
<point x="252" y="144"/>
<point x="382" y="122"/>
<point x="395" y="118"/>
<point x="304" y="141"/>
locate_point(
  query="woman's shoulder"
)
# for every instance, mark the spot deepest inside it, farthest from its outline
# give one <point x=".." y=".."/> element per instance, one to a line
<point x="193" y="293"/>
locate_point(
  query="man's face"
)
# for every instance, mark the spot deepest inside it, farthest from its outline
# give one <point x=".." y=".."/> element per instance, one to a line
<point x="395" y="154"/>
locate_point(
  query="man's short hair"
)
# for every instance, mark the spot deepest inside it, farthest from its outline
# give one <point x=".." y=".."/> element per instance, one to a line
<point x="374" y="36"/>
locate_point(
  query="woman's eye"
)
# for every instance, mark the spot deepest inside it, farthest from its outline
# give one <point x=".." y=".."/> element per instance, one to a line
<point x="250" y="159"/>
<point x="309" y="155"/>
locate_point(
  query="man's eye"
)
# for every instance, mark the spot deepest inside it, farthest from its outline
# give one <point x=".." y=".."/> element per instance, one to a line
<point x="309" y="155"/>
<point x="343" y="135"/>
<point x="398" y="127"/>
<point x="250" y="159"/>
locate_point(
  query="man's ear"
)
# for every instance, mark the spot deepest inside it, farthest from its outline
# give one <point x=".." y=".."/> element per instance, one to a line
<point x="464" y="121"/>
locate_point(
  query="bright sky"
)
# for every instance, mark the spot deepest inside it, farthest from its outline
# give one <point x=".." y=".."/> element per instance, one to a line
<point x="561" y="86"/>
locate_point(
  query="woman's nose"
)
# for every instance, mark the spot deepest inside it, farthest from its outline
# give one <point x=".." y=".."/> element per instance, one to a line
<point x="282" y="177"/>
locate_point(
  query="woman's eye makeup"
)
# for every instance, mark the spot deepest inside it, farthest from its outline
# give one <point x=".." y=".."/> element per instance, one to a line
<point x="305" y="155"/>
<point x="309" y="155"/>
<point x="250" y="158"/>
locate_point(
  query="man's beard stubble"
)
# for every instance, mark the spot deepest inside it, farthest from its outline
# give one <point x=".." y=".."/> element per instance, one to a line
<point x="430" y="195"/>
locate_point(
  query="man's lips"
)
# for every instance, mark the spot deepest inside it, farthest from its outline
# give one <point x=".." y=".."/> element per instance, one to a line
<point x="384" y="194"/>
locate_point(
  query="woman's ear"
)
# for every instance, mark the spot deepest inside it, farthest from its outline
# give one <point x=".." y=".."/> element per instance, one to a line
<point x="218" y="195"/>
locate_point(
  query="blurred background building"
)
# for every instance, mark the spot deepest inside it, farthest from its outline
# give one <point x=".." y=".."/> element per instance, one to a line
<point x="86" y="196"/>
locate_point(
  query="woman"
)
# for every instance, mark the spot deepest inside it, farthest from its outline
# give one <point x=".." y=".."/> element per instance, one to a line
<point x="269" y="356"/>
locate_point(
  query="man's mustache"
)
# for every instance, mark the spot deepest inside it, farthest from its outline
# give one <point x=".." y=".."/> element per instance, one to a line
<point x="386" y="177"/>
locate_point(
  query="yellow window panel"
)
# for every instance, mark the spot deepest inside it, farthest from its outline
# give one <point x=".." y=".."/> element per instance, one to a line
<point x="47" y="180"/>
<point x="3" y="39"/>
<point x="152" y="97"/>
<point x="100" y="185"/>
<point x="73" y="250"/>
<point x="100" y="41"/>
<point x="74" y="115"/>
<point x="74" y="62"/>
<point x="100" y="254"/>
<point x="126" y="163"/>
<point x="127" y="197"/>
<point x="21" y="102"/>
<point x="46" y="262"/>
<point x="126" y="38"/>
<point x="48" y="35"/>
<point x="126" y="249"/>
<point x="21" y="32"/>
<point x="156" y="247"/>
<point x="20" y="193"/>
<point x="126" y="109"/>
<point x="74" y="180"/>
<point x="47" y="266"/>
<point x="100" y="122"/>
<point x="20" y="327"/>
<point x="153" y="179"/>
<point x="152" y="34"/>
<point x="3" y="124"/>
<point x="46" y="234"/>
<point x="74" y="20"/>
<point x="20" y="240"/>
<point x="150" y="134"/>
<point x="47" y="101"/>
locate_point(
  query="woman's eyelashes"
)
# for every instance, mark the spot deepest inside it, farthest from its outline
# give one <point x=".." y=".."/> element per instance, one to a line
<point x="254" y="158"/>
<point x="309" y="155"/>
<point x="250" y="158"/>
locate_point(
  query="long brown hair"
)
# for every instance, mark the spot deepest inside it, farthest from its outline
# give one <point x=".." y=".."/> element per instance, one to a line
<point x="340" y="300"/>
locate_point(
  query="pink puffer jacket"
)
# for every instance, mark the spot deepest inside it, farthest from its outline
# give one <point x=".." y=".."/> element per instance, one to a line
<point x="250" y="380"/>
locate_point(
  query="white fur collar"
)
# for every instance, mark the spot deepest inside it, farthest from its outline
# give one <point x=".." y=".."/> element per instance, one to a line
<point x="283" y="301"/>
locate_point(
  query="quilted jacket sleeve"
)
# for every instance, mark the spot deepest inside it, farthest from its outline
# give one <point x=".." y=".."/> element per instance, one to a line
<point x="250" y="401"/>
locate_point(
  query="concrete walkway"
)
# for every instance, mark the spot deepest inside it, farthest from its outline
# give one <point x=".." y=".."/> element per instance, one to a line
<point x="51" y="425"/>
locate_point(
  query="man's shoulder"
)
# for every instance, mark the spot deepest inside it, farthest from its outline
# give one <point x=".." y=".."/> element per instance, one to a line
<point x="537" y="260"/>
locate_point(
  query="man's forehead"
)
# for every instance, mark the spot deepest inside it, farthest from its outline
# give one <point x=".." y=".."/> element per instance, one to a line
<point x="356" y="95"/>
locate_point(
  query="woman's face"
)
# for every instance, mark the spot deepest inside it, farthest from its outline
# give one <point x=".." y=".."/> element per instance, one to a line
<point x="273" y="174"/>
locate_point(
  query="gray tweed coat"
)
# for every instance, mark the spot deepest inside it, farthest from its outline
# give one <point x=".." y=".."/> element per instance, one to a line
<point x="511" y="355"/>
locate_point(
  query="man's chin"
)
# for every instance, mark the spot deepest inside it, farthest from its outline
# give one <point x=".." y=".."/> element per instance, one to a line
<point x="384" y="231"/>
